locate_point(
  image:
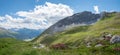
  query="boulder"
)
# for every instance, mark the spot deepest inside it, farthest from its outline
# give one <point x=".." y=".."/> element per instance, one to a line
<point x="115" y="39"/>
<point x="39" y="46"/>
<point x="88" y="44"/>
<point x="107" y="37"/>
<point x="98" y="45"/>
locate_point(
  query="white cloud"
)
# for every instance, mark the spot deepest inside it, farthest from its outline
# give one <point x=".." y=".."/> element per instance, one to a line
<point x="96" y="9"/>
<point x="41" y="17"/>
<point x="37" y="0"/>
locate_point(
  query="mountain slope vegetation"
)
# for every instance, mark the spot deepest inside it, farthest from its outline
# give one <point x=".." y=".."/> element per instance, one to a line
<point x="11" y="46"/>
<point x="109" y="23"/>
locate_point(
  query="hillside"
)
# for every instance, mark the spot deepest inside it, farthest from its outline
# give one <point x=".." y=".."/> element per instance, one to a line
<point x="6" y="33"/>
<point x="78" y="19"/>
<point x="11" y="46"/>
<point x="75" y="40"/>
<point x="109" y="23"/>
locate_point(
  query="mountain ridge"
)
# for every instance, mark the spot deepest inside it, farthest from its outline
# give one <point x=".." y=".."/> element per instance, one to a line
<point x="77" y="19"/>
<point x="84" y="32"/>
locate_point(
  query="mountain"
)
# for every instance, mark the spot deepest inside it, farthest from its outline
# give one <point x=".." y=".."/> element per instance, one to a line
<point x="21" y="34"/>
<point x="110" y="23"/>
<point x="6" y="33"/>
<point x="78" y="19"/>
<point x="25" y="33"/>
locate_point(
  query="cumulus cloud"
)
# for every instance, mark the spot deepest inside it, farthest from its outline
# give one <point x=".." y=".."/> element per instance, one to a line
<point x="37" y="0"/>
<point x="41" y="17"/>
<point x="96" y="9"/>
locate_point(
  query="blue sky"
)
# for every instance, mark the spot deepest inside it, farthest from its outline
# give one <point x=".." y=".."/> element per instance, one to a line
<point x="12" y="6"/>
<point x="40" y="14"/>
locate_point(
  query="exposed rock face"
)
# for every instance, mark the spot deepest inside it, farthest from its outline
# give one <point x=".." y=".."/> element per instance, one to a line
<point x="115" y="39"/>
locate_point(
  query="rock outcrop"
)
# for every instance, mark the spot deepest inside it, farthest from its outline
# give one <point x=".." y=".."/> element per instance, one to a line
<point x="115" y="39"/>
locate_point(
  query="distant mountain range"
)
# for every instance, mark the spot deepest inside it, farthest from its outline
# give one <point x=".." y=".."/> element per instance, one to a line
<point x="26" y="33"/>
<point x="6" y="33"/>
<point x="20" y="33"/>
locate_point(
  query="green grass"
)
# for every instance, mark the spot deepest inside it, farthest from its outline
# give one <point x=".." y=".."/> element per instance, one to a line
<point x="10" y="46"/>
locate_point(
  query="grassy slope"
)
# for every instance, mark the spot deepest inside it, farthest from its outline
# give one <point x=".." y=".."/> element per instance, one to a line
<point x="110" y="23"/>
<point x="10" y="46"/>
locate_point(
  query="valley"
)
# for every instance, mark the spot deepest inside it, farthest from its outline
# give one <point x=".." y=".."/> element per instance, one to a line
<point x="100" y="36"/>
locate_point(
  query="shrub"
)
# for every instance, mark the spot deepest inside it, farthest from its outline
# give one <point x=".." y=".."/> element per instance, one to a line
<point x="59" y="46"/>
